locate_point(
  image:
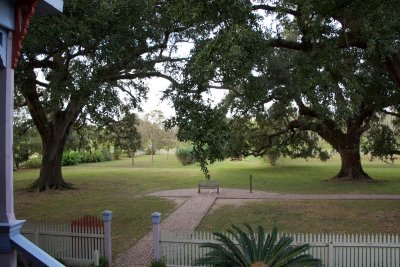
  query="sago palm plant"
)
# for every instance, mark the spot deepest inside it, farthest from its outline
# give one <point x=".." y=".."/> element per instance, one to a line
<point x="251" y="249"/>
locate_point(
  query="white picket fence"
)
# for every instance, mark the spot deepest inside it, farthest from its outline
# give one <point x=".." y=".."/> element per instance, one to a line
<point x="335" y="250"/>
<point x="74" y="245"/>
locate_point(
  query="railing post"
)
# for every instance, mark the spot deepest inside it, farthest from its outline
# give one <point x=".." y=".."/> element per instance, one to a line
<point x="155" y="219"/>
<point x="107" y="217"/>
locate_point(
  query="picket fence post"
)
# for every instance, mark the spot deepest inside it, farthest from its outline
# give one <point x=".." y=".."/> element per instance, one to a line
<point x="155" y="220"/>
<point x="107" y="217"/>
<point x="96" y="258"/>
<point x="331" y="254"/>
<point x="36" y="237"/>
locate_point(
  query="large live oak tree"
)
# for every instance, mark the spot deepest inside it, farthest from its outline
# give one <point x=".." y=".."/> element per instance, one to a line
<point x="81" y="61"/>
<point x="327" y="67"/>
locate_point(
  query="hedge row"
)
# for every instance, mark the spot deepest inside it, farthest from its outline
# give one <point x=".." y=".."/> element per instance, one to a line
<point x="73" y="158"/>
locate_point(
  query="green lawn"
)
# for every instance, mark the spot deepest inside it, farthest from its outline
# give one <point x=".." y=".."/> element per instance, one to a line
<point x="310" y="216"/>
<point x="119" y="187"/>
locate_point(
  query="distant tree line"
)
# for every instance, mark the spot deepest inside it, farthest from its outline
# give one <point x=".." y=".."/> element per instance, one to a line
<point x="88" y="142"/>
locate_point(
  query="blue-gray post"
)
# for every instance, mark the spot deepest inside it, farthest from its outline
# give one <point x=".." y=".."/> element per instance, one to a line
<point x="155" y="220"/>
<point x="107" y="217"/>
<point x="10" y="236"/>
<point x="7" y="216"/>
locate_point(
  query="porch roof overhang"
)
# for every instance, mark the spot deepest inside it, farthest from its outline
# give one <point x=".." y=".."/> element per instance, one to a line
<point x="44" y="7"/>
<point x="15" y="16"/>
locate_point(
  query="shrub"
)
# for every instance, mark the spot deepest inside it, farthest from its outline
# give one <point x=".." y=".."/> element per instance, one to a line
<point x="21" y="154"/>
<point x="324" y="156"/>
<point x="158" y="263"/>
<point x="185" y="155"/>
<point x="98" y="156"/>
<point x="85" y="157"/>
<point x="102" y="262"/>
<point x="33" y="163"/>
<point x="246" y="248"/>
<point x="107" y="156"/>
<point x="70" y="158"/>
<point x="272" y="156"/>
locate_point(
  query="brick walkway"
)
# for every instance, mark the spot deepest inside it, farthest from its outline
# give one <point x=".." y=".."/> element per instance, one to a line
<point x="187" y="216"/>
<point x="184" y="218"/>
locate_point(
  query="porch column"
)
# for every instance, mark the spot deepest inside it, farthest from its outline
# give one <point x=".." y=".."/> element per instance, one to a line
<point x="7" y="216"/>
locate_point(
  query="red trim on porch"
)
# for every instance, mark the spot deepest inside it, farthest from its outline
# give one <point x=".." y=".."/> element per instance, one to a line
<point x="24" y="10"/>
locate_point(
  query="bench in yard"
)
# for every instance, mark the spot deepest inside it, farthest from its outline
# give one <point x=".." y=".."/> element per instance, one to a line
<point x="209" y="184"/>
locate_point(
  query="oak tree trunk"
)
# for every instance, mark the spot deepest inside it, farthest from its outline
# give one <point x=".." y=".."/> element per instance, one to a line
<point x="351" y="168"/>
<point x="54" y="134"/>
<point x="53" y="126"/>
<point x="50" y="176"/>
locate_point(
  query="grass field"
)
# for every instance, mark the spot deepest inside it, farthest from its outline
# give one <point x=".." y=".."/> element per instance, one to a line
<point x="310" y="216"/>
<point x="122" y="188"/>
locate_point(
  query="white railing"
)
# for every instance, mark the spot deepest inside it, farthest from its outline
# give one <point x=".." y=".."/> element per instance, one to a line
<point x="81" y="242"/>
<point x="29" y="251"/>
<point x="337" y="250"/>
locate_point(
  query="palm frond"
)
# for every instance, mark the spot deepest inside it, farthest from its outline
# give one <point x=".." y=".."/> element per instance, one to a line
<point x="241" y="248"/>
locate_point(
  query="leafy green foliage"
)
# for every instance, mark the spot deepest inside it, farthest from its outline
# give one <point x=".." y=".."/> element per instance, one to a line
<point x="102" y="262"/>
<point x="90" y="62"/>
<point x="185" y="155"/>
<point x="124" y="134"/>
<point x="272" y="155"/>
<point x="26" y="140"/>
<point x="76" y="157"/>
<point x="21" y="154"/>
<point x="320" y="72"/>
<point x="33" y="162"/>
<point x="242" y="248"/>
<point x="324" y="156"/>
<point x="382" y="143"/>
<point x="206" y="128"/>
<point x="70" y="158"/>
<point x="158" y="263"/>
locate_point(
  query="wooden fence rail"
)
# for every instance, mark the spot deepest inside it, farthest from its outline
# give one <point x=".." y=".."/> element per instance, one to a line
<point x="335" y="250"/>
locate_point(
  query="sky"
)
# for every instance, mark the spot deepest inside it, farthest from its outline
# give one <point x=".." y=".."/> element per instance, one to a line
<point x="157" y="85"/>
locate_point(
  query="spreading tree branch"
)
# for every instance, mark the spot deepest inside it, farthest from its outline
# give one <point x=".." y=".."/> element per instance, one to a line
<point x="275" y="9"/>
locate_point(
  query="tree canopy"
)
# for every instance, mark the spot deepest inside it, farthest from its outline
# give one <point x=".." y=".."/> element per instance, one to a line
<point x="292" y="68"/>
<point x="81" y="61"/>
